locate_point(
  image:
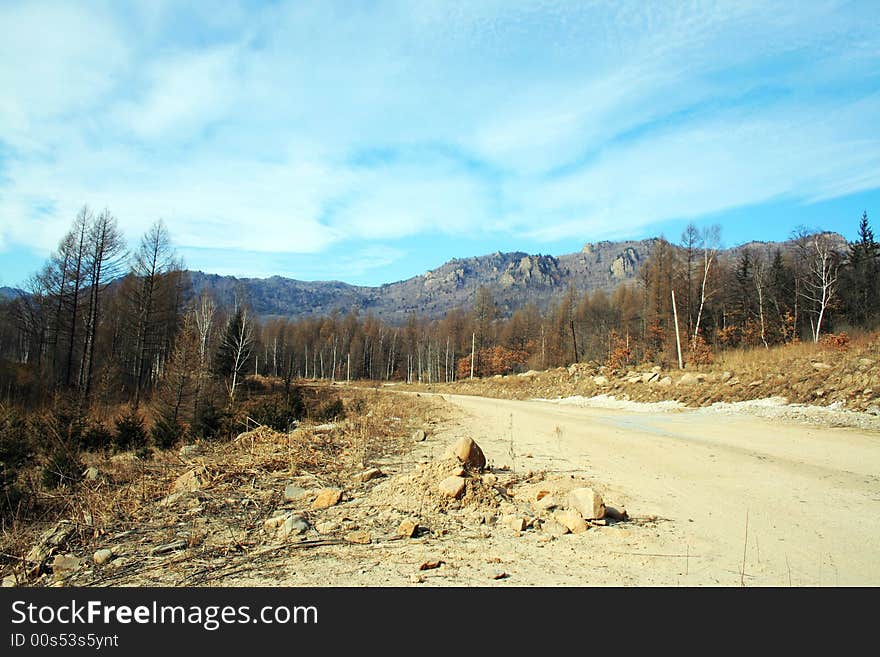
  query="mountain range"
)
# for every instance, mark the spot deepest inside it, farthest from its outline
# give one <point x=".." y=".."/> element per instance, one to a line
<point x="514" y="278"/>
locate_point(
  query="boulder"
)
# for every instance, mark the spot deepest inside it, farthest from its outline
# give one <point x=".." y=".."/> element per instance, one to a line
<point x="327" y="498"/>
<point x="469" y="453"/>
<point x="452" y="486"/>
<point x="587" y="502"/>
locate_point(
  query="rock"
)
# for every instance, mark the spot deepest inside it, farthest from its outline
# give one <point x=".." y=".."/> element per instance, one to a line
<point x="821" y="366"/>
<point x="408" y="528"/>
<point x="457" y="472"/>
<point x="92" y="474"/>
<point x="725" y="376"/>
<point x="469" y="453"/>
<point x="572" y="520"/>
<point x="327" y="498"/>
<point x="190" y="451"/>
<point x="326" y="527"/>
<point x="665" y="381"/>
<point x="587" y="502"/>
<point x="544" y="501"/>
<point x="190" y="481"/>
<point x="490" y="479"/>
<point x="866" y="361"/>
<point x="325" y="428"/>
<point x="366" y="475"/>
<point x="361" y="537"/>
<point x="64" y="564"/>
<point x="452" y="486"/>
<point x="102" y="556"/>
<point x="419" y="436"/>
<point x="600" y="380"/>
<point x="688" y="379"/>
<point x="634" y="379"/>
<point x="275" y="521"/>
<point x="516" y="523"/>
<point x="733" y="382"/>
<point x="650" y="377"/>
<point x="293" y="525"/>
<point x="9" y="582"/>
<point x="553" y="528"/>
<point x="293" y="493"/>
<point x="416" y="579"/>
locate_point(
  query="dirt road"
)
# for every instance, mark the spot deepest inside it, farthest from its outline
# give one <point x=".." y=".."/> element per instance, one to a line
<point x="796" y="504"/>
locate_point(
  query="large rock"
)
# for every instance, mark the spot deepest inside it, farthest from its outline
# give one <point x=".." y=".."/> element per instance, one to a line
<point x="469" y="453"/>
<point x="587" y="502"/>
<point x="190" y="481"/>
<point x="452" y="486"/>
<point x="571" y="520"/>
<point x="327" y="498"/>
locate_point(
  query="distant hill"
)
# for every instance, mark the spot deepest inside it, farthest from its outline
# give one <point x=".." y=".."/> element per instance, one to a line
<point x="514" y="278"/>
<point x="10" y="293"/>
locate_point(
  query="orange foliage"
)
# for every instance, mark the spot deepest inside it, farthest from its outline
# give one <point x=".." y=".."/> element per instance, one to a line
<point x="839" y="341"/>
<point x="492" y="361"/>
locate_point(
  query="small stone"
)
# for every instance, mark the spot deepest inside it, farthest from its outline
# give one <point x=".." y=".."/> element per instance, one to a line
<point x="416" y="579"/>
<point x="65" y="563"/>
<point x="600" y="380"/>
<point x="572" y="520"/>
<point x="419" y="436"/>
<point x="516" y="523"/>
<point x="688" y="379"/>
<point x="102" y="556"/>
<point x="650" y="377"/>
<point x="327" y="498"/>
<point x="587" y="502"/>
<point x="293" y="525"/>
<point x="9" y="582"/>
<point x="458" y="472"/>
<point x="92" y="474"/>
<point x="544" y="501"/>
<point x="360" y="537"/>
<point x="452" y="486"/>
<point x="821" y="366"/>
<point x="866" y="361"/>
<point x="293" y="493"/>
<point x="469" y="453"/>
<point x="408" y="528"/>
<point x="665" y="381"/>
<point x="190" y="481"/>
<point x="366" y="475"/>
<point x="490" y="479"/>
<point x="326" y="527"/>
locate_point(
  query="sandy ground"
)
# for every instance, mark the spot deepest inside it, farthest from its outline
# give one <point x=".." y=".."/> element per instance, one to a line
<point x="716" y="499"/>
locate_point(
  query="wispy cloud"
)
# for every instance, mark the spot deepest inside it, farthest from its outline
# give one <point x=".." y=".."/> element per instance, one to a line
<point x="295" y="128"/>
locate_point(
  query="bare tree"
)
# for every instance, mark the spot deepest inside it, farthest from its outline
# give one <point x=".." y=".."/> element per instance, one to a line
<point x="819" y="286"/>
<point x="711" y="241"/>
<point x="235" y="348"/>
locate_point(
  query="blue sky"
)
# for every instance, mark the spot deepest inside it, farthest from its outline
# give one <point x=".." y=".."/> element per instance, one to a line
<point x="368" y="142"/>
